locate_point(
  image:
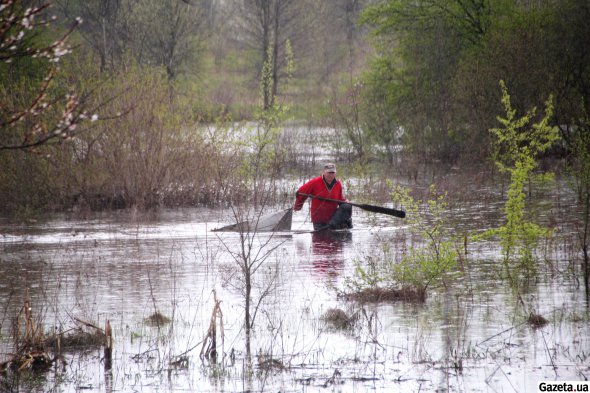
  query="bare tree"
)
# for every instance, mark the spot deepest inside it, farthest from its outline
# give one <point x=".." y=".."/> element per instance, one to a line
<point x="270" y="27"/>
<point x="246" y="274"/>
<point x="104" y="27"/>
<point x="170" y="33"/>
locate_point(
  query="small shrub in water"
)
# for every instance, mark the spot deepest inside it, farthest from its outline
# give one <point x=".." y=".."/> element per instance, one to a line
<point x="518" y="145"/>
<point x="382" y="278"/>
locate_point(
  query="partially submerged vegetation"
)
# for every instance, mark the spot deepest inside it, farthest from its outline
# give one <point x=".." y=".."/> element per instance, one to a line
<point x="339" y="319"/>
<point x="36" y="350"/>
<point x="157" y="319"/>
<point x="428" y="255"/>
<point x="378" y="295"/>
<point x="518" y="146"/>
<point x="537" y="321"/>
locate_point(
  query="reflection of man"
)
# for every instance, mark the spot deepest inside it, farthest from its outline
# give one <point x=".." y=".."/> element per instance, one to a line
<point x="327" y="247"/>
<point x="325" y="214"/>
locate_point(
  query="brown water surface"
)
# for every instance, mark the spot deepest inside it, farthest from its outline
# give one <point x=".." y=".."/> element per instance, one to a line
<point x="470" y="335"/>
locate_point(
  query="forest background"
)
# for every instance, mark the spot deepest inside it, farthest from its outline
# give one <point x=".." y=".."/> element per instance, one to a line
<point x="146" y="103"/>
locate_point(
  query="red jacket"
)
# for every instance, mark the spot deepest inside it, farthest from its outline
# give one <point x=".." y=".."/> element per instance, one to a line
<point x="321" y="211"/>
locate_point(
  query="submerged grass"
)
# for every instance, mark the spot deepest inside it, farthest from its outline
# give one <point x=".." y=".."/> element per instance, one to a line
<point x="157" y="319"/>
<point x="38" y="351"/>
<point x="338" y="319"/>
<point x="377" y="295"/>
<point x="78" y="339"/>
<point x="537" y="321"/>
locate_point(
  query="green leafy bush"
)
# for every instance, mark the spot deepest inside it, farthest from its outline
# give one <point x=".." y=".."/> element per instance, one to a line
<point x="518" y="144"/>
<point x="432" y="254"/>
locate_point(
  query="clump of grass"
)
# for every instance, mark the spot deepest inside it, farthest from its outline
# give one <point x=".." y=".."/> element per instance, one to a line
<point x="33" y="346"/>
<point x="267" y="363"/>
<point x="157" y="319"/>
<point x="376" y="295"/>
<point x="338" y="319"/>
<point x="536" y="321"/>
<point x="78" y="339"/>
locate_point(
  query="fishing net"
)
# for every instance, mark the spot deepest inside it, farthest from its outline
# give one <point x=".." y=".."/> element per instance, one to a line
<point x="274" y="222"/>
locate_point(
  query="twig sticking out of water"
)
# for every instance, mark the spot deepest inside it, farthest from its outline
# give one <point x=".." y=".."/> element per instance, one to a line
<point x="33" y="336"/>
<point x="549" y="354"/>
<point x="89" y="324"/>
<point x="334" y="379"/>
<point x="502" y="332"/>
<point x="108" y="346"/>
<point x="209" y="348"/>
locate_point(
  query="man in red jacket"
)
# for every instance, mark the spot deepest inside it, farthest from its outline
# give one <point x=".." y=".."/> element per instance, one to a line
<point x="326" y="214"/>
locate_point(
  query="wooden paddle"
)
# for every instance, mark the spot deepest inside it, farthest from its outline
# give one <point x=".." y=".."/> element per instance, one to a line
<point x="370" y="208"/>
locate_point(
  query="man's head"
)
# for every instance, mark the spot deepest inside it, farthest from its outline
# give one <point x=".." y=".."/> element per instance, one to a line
<point x="330" y="171"/>
<point x="330" y="168"/>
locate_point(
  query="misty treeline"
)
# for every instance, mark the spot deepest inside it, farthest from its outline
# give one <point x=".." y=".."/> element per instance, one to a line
<point x="119" y="103"/>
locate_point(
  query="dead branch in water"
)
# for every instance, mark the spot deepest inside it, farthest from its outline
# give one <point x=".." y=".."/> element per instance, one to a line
<point x="209" y="348"/>
<point x="89" y="324"/>
<point x="108" y="346"/>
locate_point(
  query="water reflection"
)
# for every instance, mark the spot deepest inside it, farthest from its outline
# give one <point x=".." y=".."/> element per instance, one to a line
<point x="327" y="248"/>
<point x="469" y="335"/>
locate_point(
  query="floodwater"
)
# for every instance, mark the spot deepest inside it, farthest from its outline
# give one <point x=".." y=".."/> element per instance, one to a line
<point x="470" y="335"/>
